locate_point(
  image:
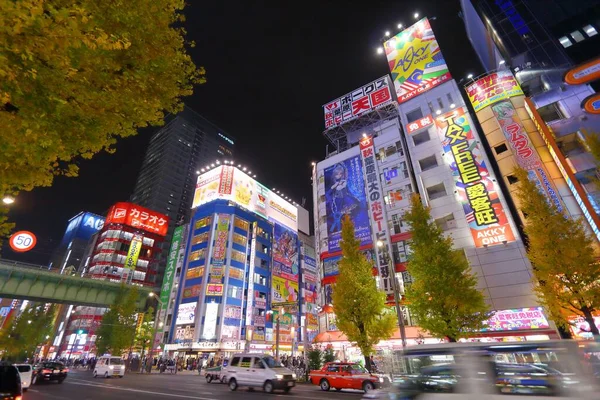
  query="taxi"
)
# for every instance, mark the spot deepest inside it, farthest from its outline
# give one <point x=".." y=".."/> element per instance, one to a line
<point x="340" y="375"/>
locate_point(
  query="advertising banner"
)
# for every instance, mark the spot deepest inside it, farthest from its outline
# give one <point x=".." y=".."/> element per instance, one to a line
<point x="517" y="319"/>
<point x="233" y="312"/>
<point x="194" y="273"/>
<point x="345" y="195"/>
<point x="330" y="266"/>
<point x="525" y="154"/>
<point x="591" y="104"/>
<point x="230" y="183"/>
<point x="216" y="274"/>
<point x="214" y="289"/>
<point x="309" y="257"/>
<point x="493" y="88"/>
<point x="186" y="314"/>
<point x="378" y="216"/>
<point x="230" y="332"/>
<point x="419" y="124"/>
<point x="192" y="291"/>
<point x="210" y="321"/>
<point x="138" y="217"/>
<point x="285" y="253"/>
<point x="258" y="334"/>
<point x="580" y="328"/>
<point x="134" y="252"/>
<point x="171" y="264"/>
<point x="415" y="61"/>
<point x="583" y="73"/>
<point x="236" y="273"/>
<point x="352" y="105"/>
<point x="311" y="322"/>
<point x="474" y="185"/>
<point x="82" y="226"/>
<point x="284" y="290"/>
<point x="218" y="256"/>
<point x="259" y="320"/>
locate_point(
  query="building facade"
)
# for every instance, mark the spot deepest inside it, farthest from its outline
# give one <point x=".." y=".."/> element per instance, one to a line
<point x="241" y="270"/>
<point x="175" y="155"/>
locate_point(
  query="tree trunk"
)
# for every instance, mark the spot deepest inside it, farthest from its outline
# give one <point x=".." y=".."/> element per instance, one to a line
<point x="451" y="339"/>
<point x="368" y="363"/>
<point x="589" y="318"/>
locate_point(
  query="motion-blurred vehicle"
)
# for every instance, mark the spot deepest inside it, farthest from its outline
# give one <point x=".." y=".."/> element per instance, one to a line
<point x="49" y="371"/>
<point x="340" y="375"/>
<point x="259" y="370"/>
<point x="10" y="382"/>
<point x="523" y="370"/>
<point x="216" y="374"/>
<point x="25" y="371"/>
<point x="108" y="366"/>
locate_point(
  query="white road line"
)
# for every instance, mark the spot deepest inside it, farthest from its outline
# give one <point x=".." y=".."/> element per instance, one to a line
<point x="142" y="391"/>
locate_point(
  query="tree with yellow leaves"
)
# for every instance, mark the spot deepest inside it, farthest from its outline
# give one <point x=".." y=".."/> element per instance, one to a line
<point x="75" y="76"/>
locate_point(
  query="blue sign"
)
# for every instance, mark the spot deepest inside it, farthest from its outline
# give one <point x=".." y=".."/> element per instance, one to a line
<point x="345" y="195"/>
<point x="82" y="226"/>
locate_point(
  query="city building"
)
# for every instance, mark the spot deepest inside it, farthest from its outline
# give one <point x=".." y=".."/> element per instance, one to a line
<point x="537" y="100"/>
<point x="420" y="139"/>
<point x="127" y="249"/>
<point x="238" y="284"/>
<point x="175" y="155"/>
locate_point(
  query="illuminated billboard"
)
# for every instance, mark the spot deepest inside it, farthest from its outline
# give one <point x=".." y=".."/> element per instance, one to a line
<point x="475" y="188"/>
<point x="345" y="196"/>
<point x="493" y="88"/>
<point x="354" y="104"/>
<point x="516" y="320"/>
<point x="134" y="252"/>
<point x="186" y="314"/>
<point x="415" y="61"/>
<point x="285" y="253"/>
<point x="231" y="183"/>
<point x="82" y="226"/>
<point x="138" y="217"/>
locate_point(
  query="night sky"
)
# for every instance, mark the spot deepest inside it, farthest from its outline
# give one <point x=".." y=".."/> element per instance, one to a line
<point x="270" y="68"/>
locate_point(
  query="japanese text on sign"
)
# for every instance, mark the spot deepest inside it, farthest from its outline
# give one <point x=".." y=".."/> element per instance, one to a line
<point x="493" y="88"/>
<point x="377" y="212"/>
<point x="138" y="217"/>
<point x="356" y="103"/>
<point x="419" y="124"/>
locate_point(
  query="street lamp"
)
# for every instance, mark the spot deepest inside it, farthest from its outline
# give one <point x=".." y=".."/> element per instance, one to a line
<point x="396" y="295"/>
<point x="8" y="200"/>
<point x="279" y="313"/>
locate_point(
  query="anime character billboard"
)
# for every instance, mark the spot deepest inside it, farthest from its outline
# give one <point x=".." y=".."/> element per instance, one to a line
<point x="285" y="253"/>
<point x="345" y="195"/>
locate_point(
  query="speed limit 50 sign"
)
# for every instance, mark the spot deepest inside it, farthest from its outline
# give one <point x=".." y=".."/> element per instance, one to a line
<point x="22" y="241"/>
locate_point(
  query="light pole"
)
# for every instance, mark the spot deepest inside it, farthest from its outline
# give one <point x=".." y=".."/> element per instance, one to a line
<point x="280" y="311"/>
<point x="396" y="295"/>
<point x="155" y="327"/>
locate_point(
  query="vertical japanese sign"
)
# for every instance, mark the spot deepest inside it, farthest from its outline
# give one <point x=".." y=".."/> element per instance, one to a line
<point x="171" y="264"/>
<point x="525" y="154"/>
<point x="134" y="252"/>
<point x="415" y="60"/>
<point x="345" y="195"/>
<point x="474" y="186"/>
<point x="218" y="256"/>
<point x="352" y="105"/>
<point x="250" y="289"/>
<point x="378" y="218"/>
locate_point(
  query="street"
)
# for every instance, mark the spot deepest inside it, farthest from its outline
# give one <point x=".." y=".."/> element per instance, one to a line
<point x="81" y="385"/>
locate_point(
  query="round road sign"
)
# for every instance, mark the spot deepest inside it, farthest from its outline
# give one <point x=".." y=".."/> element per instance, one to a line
<point x="22" y="241"/>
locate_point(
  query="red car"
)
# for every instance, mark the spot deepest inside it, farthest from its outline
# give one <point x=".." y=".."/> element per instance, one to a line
<point x="339" y="375"/>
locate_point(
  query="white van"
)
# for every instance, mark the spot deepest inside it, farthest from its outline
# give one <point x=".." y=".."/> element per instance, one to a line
<point x="259" y="370"/>
<point x="25" y="371"/>
<point x="108" y="366"/>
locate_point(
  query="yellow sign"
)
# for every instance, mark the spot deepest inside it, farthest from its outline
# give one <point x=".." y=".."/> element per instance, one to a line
<point x="493" y="88"/>
<point x="284" y="290"/>
<point x="415" y="61"/>
<point x="134" y="252"/>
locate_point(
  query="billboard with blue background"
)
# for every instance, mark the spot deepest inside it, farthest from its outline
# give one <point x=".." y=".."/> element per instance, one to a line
<point x="345" y="195"/>
<point x="82" y="226"/>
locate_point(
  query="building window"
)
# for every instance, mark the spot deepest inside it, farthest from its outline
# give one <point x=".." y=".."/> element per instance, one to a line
<point x="420" y="137"/>
<point x="565" y="41"/>
<point x="449" y="97"/>
<point x="240" y="223"/>
<point x="393" y="196"/>
<point x="550" y="112"/>
<point x="436" y="191"/>
<point x="202" y="223"/>
<point x="590" y="30"/>
<point x="240" y="239"/>
<point x="396" y="223"/>
<point x="440" y="103"/>
<point x="414" y="115"/>
<point x="577" y="36"/>
<point x="400" y="250"/>
<point x="197" y="255"/>
<point x="500" y="148"/>
<point x="201" y="238"/>
<point x="238" y="256"/>
<point x="512" y="179"/>
<point x="236" y="273"/>
<point x="446" y="222"/>
<point x="428" y="163"/>
<point x="235" y="292"/>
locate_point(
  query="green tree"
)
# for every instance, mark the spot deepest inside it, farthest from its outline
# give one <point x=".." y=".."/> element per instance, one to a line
<point x="145" y="332"/>
<point x="118" y="327"/>
<point x="565" y="263"/>
<point x="315" y="358"/>
<point x="359" y="306"/>
<point x="444" y="296"/>
<point x="77" y="75"/>
<point x="328" y="355"/>
<point x="20" y="336"/>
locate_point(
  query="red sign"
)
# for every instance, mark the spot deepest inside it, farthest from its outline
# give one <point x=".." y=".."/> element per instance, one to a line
<point x="591" y="104"/>
<point x="419" y="124"/>
<point x="138" y="217"/>
<point x="584" y="73"/>
<point x="226" y="183"/>
<point x="22" y="241"/>
<point x="358" y="102"/>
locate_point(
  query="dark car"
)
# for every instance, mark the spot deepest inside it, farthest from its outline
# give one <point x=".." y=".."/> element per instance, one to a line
<point x="49" y="371"/>
<point x="10" y="382"/>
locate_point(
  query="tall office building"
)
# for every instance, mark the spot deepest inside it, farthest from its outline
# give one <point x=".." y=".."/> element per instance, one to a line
<point x="168" y="175"/>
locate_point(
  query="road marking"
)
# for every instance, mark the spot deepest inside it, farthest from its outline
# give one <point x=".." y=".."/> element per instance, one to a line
<point x="141" y="391"/>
